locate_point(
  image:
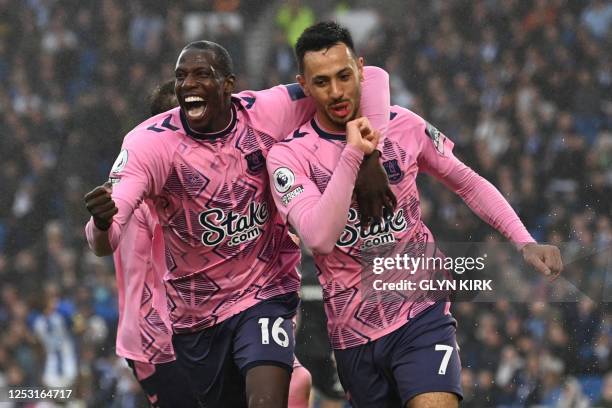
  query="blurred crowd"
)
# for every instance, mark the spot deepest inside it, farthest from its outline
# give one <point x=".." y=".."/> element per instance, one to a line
<point x="524" y="89"/>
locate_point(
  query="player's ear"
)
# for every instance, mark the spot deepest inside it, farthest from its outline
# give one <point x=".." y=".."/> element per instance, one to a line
<point x="302" y="81"/>
<point x="229" y="83"/>
<point x="360" y="68"/>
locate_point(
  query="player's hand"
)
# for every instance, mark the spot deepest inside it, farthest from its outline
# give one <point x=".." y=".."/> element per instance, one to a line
<point x="101" y="206"/>
<point x="372" y="190"/>
<point x="359" y="133"/>
<point x="544" y="258"/>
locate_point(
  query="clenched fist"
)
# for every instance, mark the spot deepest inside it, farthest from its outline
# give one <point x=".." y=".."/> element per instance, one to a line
<point x="544" y="258"/>
<point x="359" y="133"/>
<point x="101" y="206"/>
<point x="372" y="186"/>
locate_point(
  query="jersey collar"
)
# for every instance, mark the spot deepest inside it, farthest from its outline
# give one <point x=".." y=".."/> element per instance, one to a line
<point x="326" y="134"/>
<point x="208" y="136"/>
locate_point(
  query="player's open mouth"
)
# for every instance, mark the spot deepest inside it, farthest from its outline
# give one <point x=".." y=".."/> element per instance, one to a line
<point x="341" y="109"/>
<point x="195" y="107"/>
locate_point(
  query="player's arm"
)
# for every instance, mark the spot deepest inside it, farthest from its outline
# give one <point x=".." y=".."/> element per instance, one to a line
<point x="134" y="249"/>
<point x="376" y="101"/>
<point x="300" y="202"/>
<point x="281" y="109"/>
<point x="436" y="157"/>
<point x="133" y="177"/>
<point x="372" y="190"/>
<point x="102" y="209"/>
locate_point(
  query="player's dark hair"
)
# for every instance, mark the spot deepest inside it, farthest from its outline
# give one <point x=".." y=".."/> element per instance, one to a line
<point x="162" y="98"/>
<point x="223" y="61"/>
<point x="321" y="36"/>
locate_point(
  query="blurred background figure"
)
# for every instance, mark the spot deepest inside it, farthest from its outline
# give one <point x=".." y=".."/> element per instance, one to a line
<point x="52" y="327"/>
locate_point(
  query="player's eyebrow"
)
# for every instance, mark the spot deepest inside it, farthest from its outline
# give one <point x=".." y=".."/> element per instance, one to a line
<point x="207" y="69"/>
<point x="319" y="77"/>
<point x="324" y="76"/>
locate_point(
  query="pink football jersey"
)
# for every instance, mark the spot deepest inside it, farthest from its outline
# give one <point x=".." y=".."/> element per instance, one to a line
<point x="313" y="173"/>
<point x="226" y="249"/>
<point x="143" y="332"/>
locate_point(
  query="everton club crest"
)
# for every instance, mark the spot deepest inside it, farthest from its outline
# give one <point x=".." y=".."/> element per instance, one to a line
<point x="394" y="173"/>
<point x="255" y="162"/>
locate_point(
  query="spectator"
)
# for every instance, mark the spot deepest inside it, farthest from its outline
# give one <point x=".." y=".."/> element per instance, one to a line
<point x="53" y="331"/>
<point x="598" y="18"/>
<point x="293" y="17"/>
<point x="606" y="393"/>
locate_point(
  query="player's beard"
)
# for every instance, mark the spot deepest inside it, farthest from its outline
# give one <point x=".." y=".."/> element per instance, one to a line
<point x="341" y="122"/>
<point x="355" y="113"/>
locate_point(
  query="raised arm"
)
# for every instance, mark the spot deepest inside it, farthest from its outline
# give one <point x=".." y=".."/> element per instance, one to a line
<point x="376" y="100"/>
<point x="372" y="189"/>
<point x="102" y="209"/>
<point x="104" y="241"/>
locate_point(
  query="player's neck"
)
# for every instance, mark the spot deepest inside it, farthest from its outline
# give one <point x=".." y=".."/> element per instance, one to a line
<point x="327" y="125"/>
<point x="331" y="127"/>
<point x="222" y="122"/>
<point x="219" y="125"/>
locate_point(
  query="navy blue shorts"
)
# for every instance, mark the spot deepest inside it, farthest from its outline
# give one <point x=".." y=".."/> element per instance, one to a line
<point x="422" y="356"/>
<point x="218" y="358"/>
<point x="165" y="384"/>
